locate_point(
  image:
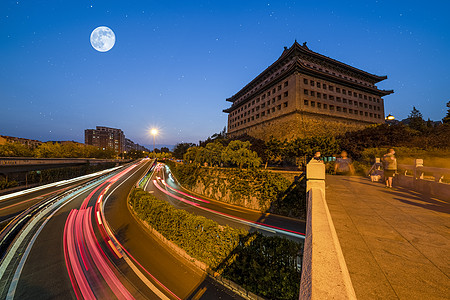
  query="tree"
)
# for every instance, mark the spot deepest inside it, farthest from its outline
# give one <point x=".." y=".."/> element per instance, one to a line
<point x="213" y="153"/>
<point x="165" y="149"/>
<point x="446" y="119"/>
<point x="275" y="151"/>
<point x="239" y="153"/>
<point x="257" y="145"/>
<point x="15" y="150"/>
<point x="48" y="150"/>
<point x="415" y="120"/>
<point x="181" y="148"/>
<point x="194" y="155"/>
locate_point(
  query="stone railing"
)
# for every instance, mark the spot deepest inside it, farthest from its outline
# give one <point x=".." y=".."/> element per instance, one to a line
<point x="324" y="271"/>
<point x="428" y="180"/>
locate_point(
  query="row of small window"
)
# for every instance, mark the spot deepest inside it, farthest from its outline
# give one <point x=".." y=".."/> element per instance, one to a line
<point x="285" y="94"/>
<point x="262" y="114"/>
<point x="339" y="75"/>
<point x="341" y="109"/>
<point x="339" y="90"/>
<point x="97" y="137"/>
<point x="268" y="93"/>
<point x="274" y="90"/>
<point x="339" y="99"/>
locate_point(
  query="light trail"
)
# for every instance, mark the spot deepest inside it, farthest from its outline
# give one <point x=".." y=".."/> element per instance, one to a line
<point x="77" y="277"/>
<point x="84" y="255"/>
<point x="80" y="242"/>
<point x="52" y="210"/>
<point x="174" y="196"/>
<point x="266" y="227"/>
<point x="183" y="193"/>
<point x="59" y="183"/>
<point x="127" y="255"/>
<point x="41" y="196"/>
<point x="81" y="248"/>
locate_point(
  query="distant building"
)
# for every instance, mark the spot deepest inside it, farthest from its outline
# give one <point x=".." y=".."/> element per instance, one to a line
<point x="27" y="142"/>
<point x="304" y="94"/>
<point x="65" y="142"/>
<point x="105" y="138"/>
<point x="130" y="145"/>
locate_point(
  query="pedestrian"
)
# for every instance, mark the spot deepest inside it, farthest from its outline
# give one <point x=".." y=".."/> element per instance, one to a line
<point x="317" y="157"/>
<point x="390" y="167"/>
<point x="344" y="165"/>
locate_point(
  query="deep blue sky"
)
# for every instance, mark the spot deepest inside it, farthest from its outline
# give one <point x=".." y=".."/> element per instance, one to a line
<point x="175" y="62"/>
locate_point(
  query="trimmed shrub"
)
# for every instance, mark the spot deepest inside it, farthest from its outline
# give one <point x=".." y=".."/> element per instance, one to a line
<point x="8" y="184"/>
<point x="267" y="266"/>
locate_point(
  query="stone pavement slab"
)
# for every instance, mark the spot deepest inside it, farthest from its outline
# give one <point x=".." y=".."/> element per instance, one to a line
<point x="396" y="243"/>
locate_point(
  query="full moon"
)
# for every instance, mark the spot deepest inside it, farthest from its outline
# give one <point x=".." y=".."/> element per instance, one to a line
<point x="103" y="39"/>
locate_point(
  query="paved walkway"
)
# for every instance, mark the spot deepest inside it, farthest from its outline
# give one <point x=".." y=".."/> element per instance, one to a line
<point x="396" y="243"/>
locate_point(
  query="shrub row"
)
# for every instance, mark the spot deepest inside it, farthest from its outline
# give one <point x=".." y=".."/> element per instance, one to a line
<point x="8" y="184"/>
<point x="268" y="266"/>
<point x="52" y="175"/>
<point x="256" y="189"/>
<point x="200" y="237"/>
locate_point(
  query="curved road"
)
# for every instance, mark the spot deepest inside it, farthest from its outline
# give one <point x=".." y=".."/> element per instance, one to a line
<point x="14" y="203"/>
<point x="73" y="252"/>
<point x="164" y="186"/>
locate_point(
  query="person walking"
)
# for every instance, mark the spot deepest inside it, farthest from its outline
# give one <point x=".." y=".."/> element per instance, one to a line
<point x="343" y="165"/>
<point x="390" y="167"/>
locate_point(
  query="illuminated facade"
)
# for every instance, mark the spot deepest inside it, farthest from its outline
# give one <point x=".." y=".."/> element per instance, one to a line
<point x="303" y="94"/>
<point x="105" y="138"/>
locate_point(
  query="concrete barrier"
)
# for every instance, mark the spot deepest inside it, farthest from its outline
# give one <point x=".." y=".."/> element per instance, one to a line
<point x="324" y="271"/>
<point x="425" y="180"/>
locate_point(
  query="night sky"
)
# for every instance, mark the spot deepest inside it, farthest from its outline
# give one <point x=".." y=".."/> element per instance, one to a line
<point x="175" y="62"/>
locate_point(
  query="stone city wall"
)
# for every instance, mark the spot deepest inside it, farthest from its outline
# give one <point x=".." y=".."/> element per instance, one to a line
<point x="301" y="125"/>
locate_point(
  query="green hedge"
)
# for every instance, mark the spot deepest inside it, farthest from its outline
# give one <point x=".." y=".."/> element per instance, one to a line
<point x="200" y="237"/>
<point x="273" y="192"/>
<point x="53" y="175"/>
<point x="267" y="266"/>
<point x="8" y="184"/>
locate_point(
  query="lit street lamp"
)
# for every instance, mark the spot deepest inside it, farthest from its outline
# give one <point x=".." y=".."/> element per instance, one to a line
<point x="154" y="132"/>
<point x="390" y="117"/>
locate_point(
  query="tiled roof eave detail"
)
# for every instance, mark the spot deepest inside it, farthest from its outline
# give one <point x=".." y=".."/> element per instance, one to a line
<point x="294" y="51"/>
<point x="301" y="68"/>
<point x="341" y="81"/>
<point x="307" y="51"/>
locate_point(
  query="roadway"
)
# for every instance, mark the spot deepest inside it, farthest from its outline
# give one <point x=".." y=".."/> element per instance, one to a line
<point x="44" y="273"/>
<point x="180" y="277"/>
<point x="13" y="204"/>
<point x="73" y="252"/>
<point x="164" y="186"/>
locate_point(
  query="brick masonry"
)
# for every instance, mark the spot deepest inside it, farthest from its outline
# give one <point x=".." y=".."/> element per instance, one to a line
<point x="301" y="125"/>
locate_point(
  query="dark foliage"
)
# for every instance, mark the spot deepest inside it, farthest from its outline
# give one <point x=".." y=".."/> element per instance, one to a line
<point x="180" y="149"/>
<point x="446" y="119"/>
<point x="268" y="266"/>
<point x="272" y="192"/>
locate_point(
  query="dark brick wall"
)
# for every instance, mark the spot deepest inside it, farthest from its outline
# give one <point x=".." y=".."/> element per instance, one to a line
<point x="300" y="125"/>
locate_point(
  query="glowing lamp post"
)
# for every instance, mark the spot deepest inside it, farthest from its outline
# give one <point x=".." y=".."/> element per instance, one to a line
<point x="390" y="118"/>
<point x="154" y="132"/>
